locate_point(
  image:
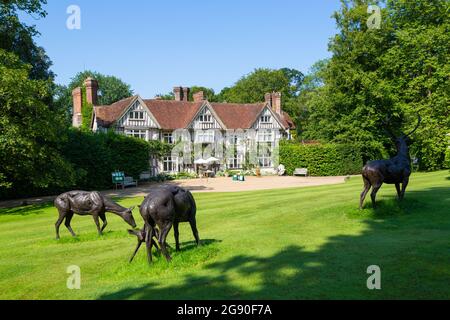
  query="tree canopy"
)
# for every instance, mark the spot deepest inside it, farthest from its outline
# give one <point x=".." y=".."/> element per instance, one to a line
<point x="399" y="71"/>
<point x="111" y="89"/>
<point x="17" y="37"/>
<point x="30" y="134"/>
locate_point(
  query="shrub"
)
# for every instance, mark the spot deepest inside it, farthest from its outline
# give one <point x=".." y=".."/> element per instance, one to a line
<point x="185" y="176"/>
<point x="162" y="177"/>
<point x="321" y="159"/>
<point x="447" y="159"/>
<point x="96" y="155"/>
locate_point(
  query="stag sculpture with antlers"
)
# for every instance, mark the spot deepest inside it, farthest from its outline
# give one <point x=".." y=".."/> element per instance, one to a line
<point x="396" y="170"/>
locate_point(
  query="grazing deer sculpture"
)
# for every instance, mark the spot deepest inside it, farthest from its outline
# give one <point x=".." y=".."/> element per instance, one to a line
<point x="89" y="203"/>
<point x="165" y="206"/>
<point x="396" y="170"/>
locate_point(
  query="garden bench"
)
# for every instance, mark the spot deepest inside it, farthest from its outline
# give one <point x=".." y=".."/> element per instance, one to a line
<point x="301" y="172"/>
<point x="129" y="182"/>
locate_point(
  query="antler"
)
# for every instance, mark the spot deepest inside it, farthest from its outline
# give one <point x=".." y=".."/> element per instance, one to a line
<point x="417" y="127"/>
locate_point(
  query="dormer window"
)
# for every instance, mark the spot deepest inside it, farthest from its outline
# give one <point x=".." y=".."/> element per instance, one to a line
<point x="266" y="119"/>
<point x="137" y="115"/>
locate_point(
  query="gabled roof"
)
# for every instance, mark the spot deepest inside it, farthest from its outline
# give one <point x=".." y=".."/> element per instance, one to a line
<point x="172" y="115"/>
<point x="286" y="120"/>
<point x="238" y="116"/>
<point x="208" y="106"/>
<point x="107" y="115"/>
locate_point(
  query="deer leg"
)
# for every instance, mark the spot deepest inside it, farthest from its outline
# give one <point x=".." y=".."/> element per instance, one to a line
<point x="136" y="250"/>
<point x="367" y="187"/>
<point x="149" y="243"/>
<point x="177" y="236"/>
<point x="62" y="215"/>
<point x="375" y="190"/>
<point x="399" y="191"/>
<point x="105" y="222"/>
<point x="163" y="238"/>
<point x="404" y="185"/>
<point x="193" y="224"/>
<point x="69" y="217"/>
<point x="97" y="223"/>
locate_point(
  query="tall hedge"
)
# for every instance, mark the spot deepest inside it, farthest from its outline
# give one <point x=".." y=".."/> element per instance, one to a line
<point x="447" y="159"/>
<point x="96" y="155"/>
<point x="321" y="159"/>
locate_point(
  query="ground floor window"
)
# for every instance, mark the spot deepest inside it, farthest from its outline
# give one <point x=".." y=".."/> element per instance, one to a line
<point x="140" y="134"/>
<point x="169" y="164"/>
<point x="235" y="162"/>
<point x="265" y="160"/>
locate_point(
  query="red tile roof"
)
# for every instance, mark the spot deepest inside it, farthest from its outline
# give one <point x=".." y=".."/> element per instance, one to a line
<point x="107" y="115"/>
<point x="238" y="116"/>
<point x="173" y="115"/>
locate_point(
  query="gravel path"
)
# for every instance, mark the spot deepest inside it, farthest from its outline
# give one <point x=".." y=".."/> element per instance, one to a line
<point x="204" y="185"/>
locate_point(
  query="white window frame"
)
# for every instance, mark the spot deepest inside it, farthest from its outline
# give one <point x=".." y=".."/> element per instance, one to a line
<point x="136" y="133"/>
<point x="168" y="138"/>
<point x="170" y="164"/>
<point x="265" y="161"/>
<point x="204" y="136"/>
<point x="266" y="119"/>
<point x="205" y="118"/>
<point x="265" y="136"/>
<point x="134" y="117"/>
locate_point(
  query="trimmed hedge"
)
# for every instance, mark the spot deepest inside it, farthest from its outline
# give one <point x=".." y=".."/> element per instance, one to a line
<point x="96" y="155"/>
<point x="321" y="159"/>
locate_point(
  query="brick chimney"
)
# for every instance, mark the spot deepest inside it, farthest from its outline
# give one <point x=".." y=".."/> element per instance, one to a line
<point x="77" y="103"/>
<point x="91" y="90"/>
<point x="178" y="93"/>
<point x="276" y="102"/>
<point x="186" y="94"/>
<point x="181" y="94"/>
<point x="274" y="99"/>
<point x="199" y="96"/>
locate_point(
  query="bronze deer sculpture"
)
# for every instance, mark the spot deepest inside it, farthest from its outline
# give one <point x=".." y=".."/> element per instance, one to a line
<point x="396" y="170"/>
<point x="89" y="203"/>
<point x="165" y="206"/>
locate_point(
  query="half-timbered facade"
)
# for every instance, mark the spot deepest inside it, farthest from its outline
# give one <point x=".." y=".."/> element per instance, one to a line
<point x="238" y="128"/>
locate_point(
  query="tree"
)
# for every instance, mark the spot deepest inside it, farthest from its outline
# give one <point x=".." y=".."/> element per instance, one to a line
<point x="111" y="89"/>
<point x="252" y="87"/>
<point x="17" y="37"/>
<point x="397" y="71"/>
<point x="30" y="134"/>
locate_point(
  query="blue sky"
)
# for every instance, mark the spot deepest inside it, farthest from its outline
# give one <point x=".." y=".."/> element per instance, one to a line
<point x="155" y="45"/>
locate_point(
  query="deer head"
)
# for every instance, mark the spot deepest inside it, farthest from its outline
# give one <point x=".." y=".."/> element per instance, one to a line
<point x="128" y="217"/>
<point x="401" y="142"/>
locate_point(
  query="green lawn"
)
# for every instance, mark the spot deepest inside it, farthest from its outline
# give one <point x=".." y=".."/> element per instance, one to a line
<point x="308" y="243"/>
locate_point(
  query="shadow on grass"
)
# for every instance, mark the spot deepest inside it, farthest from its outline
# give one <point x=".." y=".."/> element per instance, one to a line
<point x="410" y="248"/>
<point x="26" y="210"/>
